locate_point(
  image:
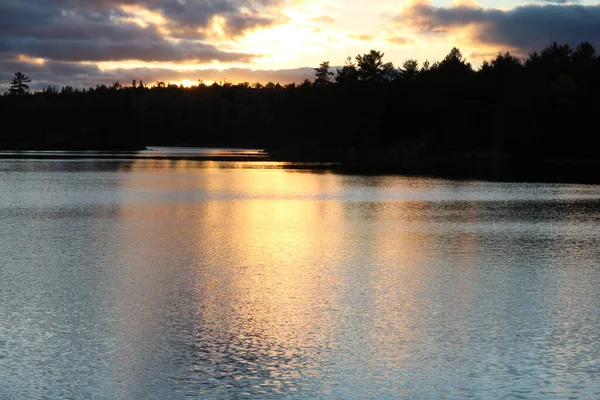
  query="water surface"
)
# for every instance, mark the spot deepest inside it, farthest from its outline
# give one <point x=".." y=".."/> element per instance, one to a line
<point x="148" y="278"/>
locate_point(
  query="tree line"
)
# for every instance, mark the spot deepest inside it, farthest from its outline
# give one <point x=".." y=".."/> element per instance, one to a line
<point x="540" y="107"/>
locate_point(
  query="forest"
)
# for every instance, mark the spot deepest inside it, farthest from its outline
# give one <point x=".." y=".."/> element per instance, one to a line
<point x="509" y="113"/>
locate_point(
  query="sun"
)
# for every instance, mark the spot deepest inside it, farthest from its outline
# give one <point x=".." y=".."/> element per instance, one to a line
<point x="187" y="83"/>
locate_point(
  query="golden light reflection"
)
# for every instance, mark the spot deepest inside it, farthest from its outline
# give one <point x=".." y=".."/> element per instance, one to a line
<point x="259" y="229"/>
<point x="289" y="258"/>
<point x="279" y="291"/>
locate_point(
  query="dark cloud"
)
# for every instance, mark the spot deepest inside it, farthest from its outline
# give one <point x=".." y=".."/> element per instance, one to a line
<point x="102" y="30"/>
<point x="192" y="13"/>
<point x="557" y="1"/>
<point x="151" y="49"/>
<point x="525" y="28"/>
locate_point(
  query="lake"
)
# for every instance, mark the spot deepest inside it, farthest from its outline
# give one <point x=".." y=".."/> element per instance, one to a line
<point x="143" y="277"/>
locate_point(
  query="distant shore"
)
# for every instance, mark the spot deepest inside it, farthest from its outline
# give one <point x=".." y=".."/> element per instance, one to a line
<point x="481" y="166"/>
<point x="512" y="119"/>
<point x="476" y="166"/>
<point x="71" y="147"/>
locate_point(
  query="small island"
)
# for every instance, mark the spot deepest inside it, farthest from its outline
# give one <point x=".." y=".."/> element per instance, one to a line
<point x="512" y="118"/>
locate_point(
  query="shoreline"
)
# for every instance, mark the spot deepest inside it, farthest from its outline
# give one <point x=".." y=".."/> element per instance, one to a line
<point x="494" y="168"/>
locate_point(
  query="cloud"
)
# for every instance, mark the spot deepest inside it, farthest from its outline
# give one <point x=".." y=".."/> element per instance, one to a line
<point x="361" y="37"/>
<point x="557" y="1"/>
<point x="145" y="30"/>
<point x="323" y="19"/>
<point x="525" y="28"/>
<point x="158" y="50"/>
<point x="396" y="38"/>
<point x="398" y="41"/>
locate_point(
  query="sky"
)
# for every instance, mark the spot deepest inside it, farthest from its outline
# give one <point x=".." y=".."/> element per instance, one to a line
<point x="82" y="43"/>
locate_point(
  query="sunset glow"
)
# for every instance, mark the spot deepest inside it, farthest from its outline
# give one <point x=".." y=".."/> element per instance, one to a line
<point x="274" y="40"/>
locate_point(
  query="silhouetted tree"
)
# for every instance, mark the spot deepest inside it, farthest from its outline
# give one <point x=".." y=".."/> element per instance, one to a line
<point x="19" y="84"/>
<point x="505" y="68"/>
<point x="454" y="64"/>
<point x="372" y="68"/>
<point x="559" y="55"/>
<point x="583" y="61"/>
<point x="50" y="90"/>
<point x="323" y="74"/>
<point x="550" y="62"/>
<point x="348" y="73"/>
<point x="410" y="69"/>
<point x="584" y="53"/>
<point x="507" y="62"/>
<point x="538" y="107"/>
<point x="306" y="83"/>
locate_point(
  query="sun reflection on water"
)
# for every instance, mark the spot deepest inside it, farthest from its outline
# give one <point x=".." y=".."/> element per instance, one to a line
<point x="174" y="278"/>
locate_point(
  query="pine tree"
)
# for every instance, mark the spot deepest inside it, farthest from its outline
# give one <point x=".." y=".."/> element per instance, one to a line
<point x="19" y="84"/>
<point x="322" y="73"/>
